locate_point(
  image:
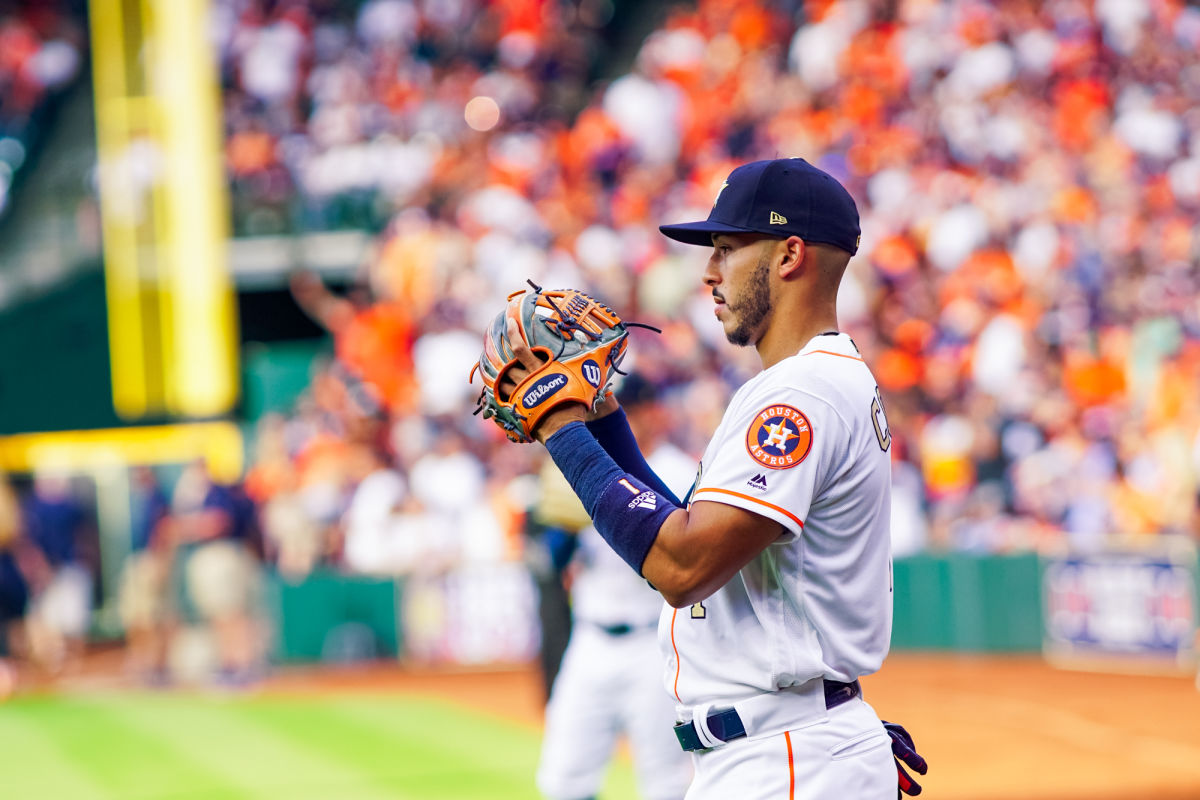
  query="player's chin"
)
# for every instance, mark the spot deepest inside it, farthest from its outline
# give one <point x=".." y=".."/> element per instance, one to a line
<point x="733" y="331"/>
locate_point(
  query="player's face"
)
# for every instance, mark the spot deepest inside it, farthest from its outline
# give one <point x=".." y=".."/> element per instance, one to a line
<point x="739" y="274"/>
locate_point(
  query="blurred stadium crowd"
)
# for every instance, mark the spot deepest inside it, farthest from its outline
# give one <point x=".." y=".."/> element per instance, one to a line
<point x="41" y="49"/>
<point x="1029" y="179"/>
<point x="1027" y="289"/>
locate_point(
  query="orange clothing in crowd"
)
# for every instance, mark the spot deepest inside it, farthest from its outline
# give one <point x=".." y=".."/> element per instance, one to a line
<point x="1093" y="381"/>
<point x="377" y="345"/>
<point x="266" y="478"/>
<point x="406" y="268"/>
<point x="897" y="370"/>
<point x="1081" y="110"/>
<point x="250" y="151"/>
<point x="325" y="458"/>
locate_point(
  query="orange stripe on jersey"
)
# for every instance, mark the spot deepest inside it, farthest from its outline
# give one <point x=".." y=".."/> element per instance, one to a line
<point x="675" y="688"/>
<point x="783" y="511"/>
<point x="787" y="737"/>
<point x="831" y="353"/>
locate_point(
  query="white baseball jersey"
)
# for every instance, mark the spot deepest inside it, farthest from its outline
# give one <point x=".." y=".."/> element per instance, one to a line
<point x="805" y="444"/>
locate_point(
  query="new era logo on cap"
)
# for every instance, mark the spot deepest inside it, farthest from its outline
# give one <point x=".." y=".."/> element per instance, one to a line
<point x="778" y="219"/>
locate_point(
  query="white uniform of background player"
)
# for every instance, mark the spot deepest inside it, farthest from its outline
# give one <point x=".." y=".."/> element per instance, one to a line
<point x="610" y="681"/>
<point x="803" y="443"/>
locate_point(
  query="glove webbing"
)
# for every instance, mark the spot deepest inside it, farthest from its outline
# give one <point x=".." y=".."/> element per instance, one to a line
<point x="567" y="321"/>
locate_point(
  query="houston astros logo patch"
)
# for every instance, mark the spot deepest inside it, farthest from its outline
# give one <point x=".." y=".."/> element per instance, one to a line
<point x="779" y="437"/>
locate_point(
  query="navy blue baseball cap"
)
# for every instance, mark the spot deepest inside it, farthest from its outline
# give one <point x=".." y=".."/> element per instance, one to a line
<point x="781" y="197"/>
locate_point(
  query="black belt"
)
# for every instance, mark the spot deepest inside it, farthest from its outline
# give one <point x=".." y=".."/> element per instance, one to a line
<point x="727" y="725"/>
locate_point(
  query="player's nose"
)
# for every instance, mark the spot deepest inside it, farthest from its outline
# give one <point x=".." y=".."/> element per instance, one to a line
<point x="712" y="274"/>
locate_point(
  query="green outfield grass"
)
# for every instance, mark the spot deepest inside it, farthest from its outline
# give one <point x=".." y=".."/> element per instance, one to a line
<point x="146" y="746"/>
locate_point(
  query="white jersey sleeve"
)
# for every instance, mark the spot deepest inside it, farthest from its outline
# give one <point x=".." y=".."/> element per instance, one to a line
<point x="776" y="446"/>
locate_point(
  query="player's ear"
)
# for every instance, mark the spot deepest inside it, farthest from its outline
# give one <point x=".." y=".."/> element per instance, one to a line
<point x="792" y="250"/>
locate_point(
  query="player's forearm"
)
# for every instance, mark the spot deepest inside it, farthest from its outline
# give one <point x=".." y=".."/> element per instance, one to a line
<point x="613" y="433"/>
<point x="627" y="513"/>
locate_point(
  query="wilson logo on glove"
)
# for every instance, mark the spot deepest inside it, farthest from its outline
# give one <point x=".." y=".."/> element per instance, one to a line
<point x="543" y="389"/>
<point x="579" y="341"/>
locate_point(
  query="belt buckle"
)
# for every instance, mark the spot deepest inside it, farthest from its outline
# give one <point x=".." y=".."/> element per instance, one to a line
<point x="844" y="692"/>
<point x="689" y="740"/>
<point x="724" y="726"/>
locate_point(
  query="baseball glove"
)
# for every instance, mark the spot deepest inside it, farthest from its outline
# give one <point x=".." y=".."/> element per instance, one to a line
<point x="580" y="342"/>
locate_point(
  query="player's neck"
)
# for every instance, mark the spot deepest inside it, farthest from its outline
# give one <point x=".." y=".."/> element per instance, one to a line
<point x="791" y="329"/>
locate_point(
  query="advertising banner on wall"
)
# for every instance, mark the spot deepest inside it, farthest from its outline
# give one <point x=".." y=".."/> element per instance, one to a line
<point x="1131" y="606"/>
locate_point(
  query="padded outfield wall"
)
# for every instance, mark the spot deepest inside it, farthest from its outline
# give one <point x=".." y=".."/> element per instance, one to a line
<point x="1137" y="608"/>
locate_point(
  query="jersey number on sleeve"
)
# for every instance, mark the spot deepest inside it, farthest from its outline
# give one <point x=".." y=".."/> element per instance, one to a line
<point x="881" y="424"/>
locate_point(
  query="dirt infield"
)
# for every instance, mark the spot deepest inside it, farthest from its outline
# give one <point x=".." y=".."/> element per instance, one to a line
<point x="992" y="728"/>
<point x="1017" y="728"/>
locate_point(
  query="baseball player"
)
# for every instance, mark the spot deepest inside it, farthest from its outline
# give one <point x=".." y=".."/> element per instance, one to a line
<point x="609" y="682"/>
<point x="777" y="569"/>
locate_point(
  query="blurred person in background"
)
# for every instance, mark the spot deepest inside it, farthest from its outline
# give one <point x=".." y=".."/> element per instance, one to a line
<point x="372" y="337"/>
<point x="552" y="528"/>
<point x="60" y="613"/>
<point x="386" y="530"/>
<point x="217" y="570"/>
<point x="441" y="478"/>
<point x="143" y="600"/>
<point x="610" y="681"/>
<point x="296" y="529"/>
<point x="14" y="588"/>
<point x="151" y="505"/>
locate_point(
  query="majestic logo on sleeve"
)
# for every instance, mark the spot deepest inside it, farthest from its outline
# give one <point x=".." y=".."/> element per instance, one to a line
<point x="759" y="482"/>
<point x="779" y="437"/>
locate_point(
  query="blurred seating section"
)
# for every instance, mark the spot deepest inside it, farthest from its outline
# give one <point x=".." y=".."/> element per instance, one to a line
<point x="338" y="112"/>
